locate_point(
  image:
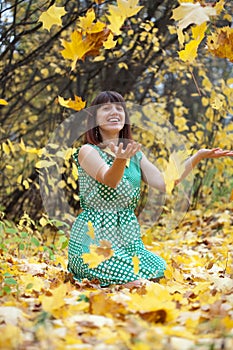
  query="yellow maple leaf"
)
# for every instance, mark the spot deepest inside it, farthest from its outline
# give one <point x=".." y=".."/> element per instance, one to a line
<point x="190" y="52"/>
<point x="156" y="298"/>
<point x="77" y="104"/>
<point x="3" y="102"/>
<point x="189" y="13"/>
<point x="174" y="170"/>
<point x="136" y="262"/>
<point x="32" y="282"/>
<point x="118" y="14"/>
<point x="56" y="300"/>
<point x="98" y="254"/>
<point x="52" y="16"/>
<point x="116" y="22"/>
<point x="77" y="48"/>
<point x="109" y="43"/>
<point x="220" y="43"/>
<point x="219" y="6"/>
<point x="86" y="23"/>
<point x="125" y="8"/>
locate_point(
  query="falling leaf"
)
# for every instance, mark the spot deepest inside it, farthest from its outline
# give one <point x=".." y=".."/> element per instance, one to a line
<point x="118" y="14"/>
<point x="219" y="6"/>
<point x="52" y="16"/>
<point x="190" y="52"/>
<point x="116" y="22"/>
<point x="175" y="168"/>
<point x="188" y="13"/>
<point x="110" y="43"/>
<point x="136" y="262"/>
<point x="125" y="8"/>
<point x="3" y="102"/>
<point x="77" y="48"/>
<point x="77" y="104"/>
<point x="87" y="25"/>
<point x="220" y="43"/>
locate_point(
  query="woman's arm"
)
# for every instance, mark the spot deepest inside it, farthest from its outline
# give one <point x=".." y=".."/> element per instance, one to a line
<point x="154" y="178"/>
<point x="91" y="161"/>
<point x="204" y="153"/>
<point x="151" y="174"/>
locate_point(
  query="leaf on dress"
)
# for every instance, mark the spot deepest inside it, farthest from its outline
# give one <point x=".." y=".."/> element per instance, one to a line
<point x="98" y="254"/>
<point x="136" y="262"/>
<point x="91" y="231"/>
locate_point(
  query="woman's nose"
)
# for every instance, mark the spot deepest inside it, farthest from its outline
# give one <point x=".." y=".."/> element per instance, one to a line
<point x="113" y="110"/>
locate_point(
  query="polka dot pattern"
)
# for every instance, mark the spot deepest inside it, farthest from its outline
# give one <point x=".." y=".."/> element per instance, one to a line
<point x="111" y="212"/>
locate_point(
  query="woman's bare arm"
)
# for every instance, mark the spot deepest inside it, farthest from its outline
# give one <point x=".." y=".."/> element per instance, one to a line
<point x="91" y="161"/>
<point x="203" y="153"/>
<point x="151" y="174"/>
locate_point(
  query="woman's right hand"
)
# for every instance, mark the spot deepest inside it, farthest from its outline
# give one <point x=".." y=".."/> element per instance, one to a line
<point x="131" y="149"/>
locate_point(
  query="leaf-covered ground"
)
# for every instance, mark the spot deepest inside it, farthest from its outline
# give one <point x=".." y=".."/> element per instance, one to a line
<point x="191" y="308"/>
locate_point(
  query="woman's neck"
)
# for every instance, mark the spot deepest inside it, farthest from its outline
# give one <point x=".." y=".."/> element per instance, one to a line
<point x="111" y="138"/>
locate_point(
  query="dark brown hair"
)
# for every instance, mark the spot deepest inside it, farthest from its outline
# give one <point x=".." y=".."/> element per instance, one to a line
<point x="93" y="135"/>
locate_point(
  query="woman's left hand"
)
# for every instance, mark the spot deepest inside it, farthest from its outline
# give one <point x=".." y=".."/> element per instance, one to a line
<point x="214" y="153"/>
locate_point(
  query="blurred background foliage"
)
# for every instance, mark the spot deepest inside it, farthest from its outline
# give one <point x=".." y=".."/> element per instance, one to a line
<point x="143" y="66"/>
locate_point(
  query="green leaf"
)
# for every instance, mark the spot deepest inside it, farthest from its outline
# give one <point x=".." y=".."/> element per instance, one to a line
<point x="11" y="230"/>
<point x="29" y="286"/>
<point x="35" y="241"/>
<point x="6" y="289"/>
<point x="21" y="246"/>
<point x="10" y="281"/>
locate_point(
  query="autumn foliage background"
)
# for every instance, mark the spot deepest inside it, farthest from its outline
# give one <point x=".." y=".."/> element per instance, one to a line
<point x="55" y="57"/>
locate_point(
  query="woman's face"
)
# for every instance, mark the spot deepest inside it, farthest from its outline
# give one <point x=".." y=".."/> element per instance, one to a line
<point x="110" y="117"/>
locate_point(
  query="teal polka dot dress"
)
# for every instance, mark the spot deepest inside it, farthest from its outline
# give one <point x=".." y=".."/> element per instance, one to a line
<point x="111" y="213"/>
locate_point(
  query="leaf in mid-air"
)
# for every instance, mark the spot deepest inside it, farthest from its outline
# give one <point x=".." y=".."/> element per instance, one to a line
<point x="190" y="52"/>
<point x="3" y="102"/>
<point x="125" y="8"/>
<point x="77" y="104"/>
<point x="109" y="43"/>
<point x="118" y="14"/>
<point x="52" y="16"/>
<point x="87" y="24"/>
<point x="174" y="170"/>
<point x="189" y="13"/>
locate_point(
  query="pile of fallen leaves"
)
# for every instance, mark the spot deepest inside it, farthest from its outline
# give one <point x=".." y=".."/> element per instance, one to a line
<point x="42" y="307"/>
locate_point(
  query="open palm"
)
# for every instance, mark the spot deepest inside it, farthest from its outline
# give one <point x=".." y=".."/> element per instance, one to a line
<point x="214" y="153"/>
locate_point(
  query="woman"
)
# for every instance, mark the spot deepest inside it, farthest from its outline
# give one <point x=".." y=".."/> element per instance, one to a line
<point x="111" y="166"/>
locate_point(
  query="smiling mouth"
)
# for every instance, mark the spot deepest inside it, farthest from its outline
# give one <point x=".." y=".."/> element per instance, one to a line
<point x="114" y="120"/>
